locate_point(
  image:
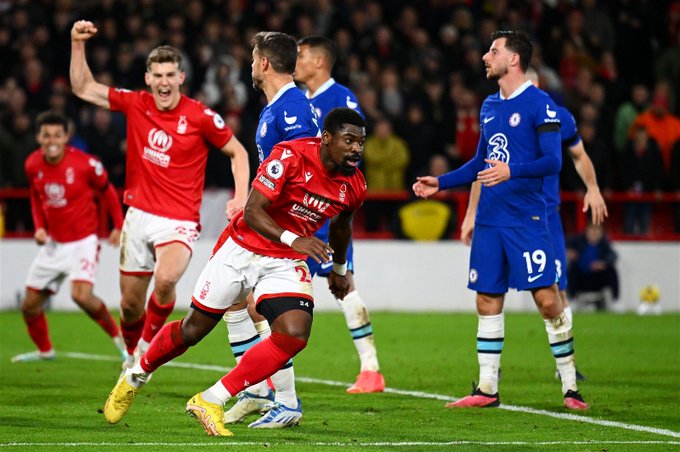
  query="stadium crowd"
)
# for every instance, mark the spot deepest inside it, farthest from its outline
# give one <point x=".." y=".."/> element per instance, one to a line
<point x="416" y="68"/>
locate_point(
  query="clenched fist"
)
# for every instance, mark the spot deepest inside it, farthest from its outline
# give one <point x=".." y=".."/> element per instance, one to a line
<point x="83" y="30"/>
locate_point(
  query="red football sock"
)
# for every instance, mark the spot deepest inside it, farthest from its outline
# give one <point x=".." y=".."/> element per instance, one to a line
<point x="156" y="315"/>
<point x="167" y="345"/>
<point x="132" y="331"/>
<point x="104" y="318"/>
<point x="37" y="329"/>
<point x="262" y="360"/>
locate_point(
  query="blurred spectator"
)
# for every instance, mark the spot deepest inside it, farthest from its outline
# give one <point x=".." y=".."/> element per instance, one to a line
<point x="385" y="160"/>
<point x="661" y="125"/>
<point x="642" y="172"/>
<point x="599" y="155"/>
<point x="591" y="264"/>
<point x="421" y="139"/>
<point x="626" y="114"/>
<point x="105" y="141"/>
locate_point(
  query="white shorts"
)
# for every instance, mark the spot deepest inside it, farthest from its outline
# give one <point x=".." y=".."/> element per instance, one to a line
<point x="233" y="271"/>
<point x="78" y="260"/>
<point x="144" y="232"/>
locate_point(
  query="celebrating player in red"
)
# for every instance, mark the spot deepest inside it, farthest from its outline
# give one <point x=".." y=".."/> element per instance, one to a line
<point x="167" y="136"/>
<point x="301" y="184"/>
<point x="64" y="182"/>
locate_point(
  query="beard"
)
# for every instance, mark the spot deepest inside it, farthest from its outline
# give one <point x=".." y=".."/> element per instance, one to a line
<point x="495" y="76"/>
<point x="257" y="84"/>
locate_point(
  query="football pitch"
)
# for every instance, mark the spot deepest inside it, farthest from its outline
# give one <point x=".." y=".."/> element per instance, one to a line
<point x="632" y="366"/>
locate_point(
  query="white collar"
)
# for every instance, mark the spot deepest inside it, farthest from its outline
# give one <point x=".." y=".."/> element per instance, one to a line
<point x="283" y="89"/>
<point x="327" y="84"/>
<point x="518" y="91"/>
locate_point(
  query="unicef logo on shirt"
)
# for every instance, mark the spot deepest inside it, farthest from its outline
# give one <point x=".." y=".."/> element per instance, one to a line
<point x="159" y="140"/>
<point x="498" y="148"/>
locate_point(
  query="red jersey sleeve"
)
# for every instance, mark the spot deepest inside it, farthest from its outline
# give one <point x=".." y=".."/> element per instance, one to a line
<point x="120" y="99"/>
<point x="213" y="128"/>
<point x="99" y="181"/>
<point x="271" y="175"/>
<point x="39" y="220"/>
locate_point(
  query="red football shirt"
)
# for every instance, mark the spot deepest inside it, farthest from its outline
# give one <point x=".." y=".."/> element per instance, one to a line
<point x="63" y="195"/>
<point x="167" y="152"/>
<point x="303" y="194"/>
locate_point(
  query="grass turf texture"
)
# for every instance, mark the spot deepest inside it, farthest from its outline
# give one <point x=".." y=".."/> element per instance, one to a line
<point x="632" y="364"/>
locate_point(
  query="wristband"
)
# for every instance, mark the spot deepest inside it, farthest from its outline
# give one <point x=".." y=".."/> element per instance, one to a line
<point x="340" y="269"/>
<point x="288" y="237"/>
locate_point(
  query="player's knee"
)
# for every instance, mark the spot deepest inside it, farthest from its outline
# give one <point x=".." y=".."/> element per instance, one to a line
<point x="192" y="332"/>
<point x="82" y="295"/>
<point x="32" y="303"/>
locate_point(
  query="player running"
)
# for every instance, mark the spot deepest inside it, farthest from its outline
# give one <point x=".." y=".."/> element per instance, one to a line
<point x="64" y="182"/>
<point x="302" y="184"/>
<point x="167" y="150"/>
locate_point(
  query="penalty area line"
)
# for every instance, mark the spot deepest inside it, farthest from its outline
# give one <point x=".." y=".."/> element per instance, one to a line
<point x="418" y="394"/>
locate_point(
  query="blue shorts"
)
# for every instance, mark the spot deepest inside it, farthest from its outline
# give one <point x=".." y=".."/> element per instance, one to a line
<point x="501" y="258"/>
<point x="559" y="248"/>
<point x="324" y="269"/>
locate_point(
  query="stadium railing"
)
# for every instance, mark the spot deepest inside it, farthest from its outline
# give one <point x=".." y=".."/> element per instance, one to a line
<point x="662" y="223"/>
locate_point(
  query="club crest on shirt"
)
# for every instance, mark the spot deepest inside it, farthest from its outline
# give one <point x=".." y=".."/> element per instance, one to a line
<point x="204" y="290"/>
<point x="182" y="125"/>
<point x="263" y="129"/>
<point x="275" y="169"/>
<point x="343" y="192"/>
<point x="515" y="119"/>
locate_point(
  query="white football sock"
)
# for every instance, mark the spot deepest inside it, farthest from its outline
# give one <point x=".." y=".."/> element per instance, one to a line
<point x="359" y="324"/>
<point x="490" y="338"/>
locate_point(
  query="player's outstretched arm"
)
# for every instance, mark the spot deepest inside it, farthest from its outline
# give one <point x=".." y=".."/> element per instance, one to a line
<point x="593" y="199"/>
<point x="426" y="186"/>
<point x="256" y="216"/>
<point x="240" y="168"/>
<point x="82" y="81"/>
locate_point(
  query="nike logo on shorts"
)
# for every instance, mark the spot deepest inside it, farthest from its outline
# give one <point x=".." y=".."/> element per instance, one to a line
<point x="534" y="278"/>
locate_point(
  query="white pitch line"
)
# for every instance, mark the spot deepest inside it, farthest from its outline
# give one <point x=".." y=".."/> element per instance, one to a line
<point x="418" y="394"/>
<point x="338" y="444"/>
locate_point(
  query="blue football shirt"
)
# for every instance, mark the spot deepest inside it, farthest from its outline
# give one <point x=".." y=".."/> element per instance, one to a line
<point x="570" y="137"/>
<point x="332" y="95"/>
<point x="288" y="116"/>
<point x="509" y="133"/>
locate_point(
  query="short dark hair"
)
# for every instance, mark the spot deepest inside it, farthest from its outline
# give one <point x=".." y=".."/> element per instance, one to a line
<point x="338" y="117"/>
<point x="518" y="42"/>
<point x="164" y="54"/>
<point x="279" y="48"/>
<point x="323" y="43"/>
<point x="51" y="118"/>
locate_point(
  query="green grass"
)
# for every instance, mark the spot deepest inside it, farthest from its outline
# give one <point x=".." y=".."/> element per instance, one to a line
<point x="632" y="364"/>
